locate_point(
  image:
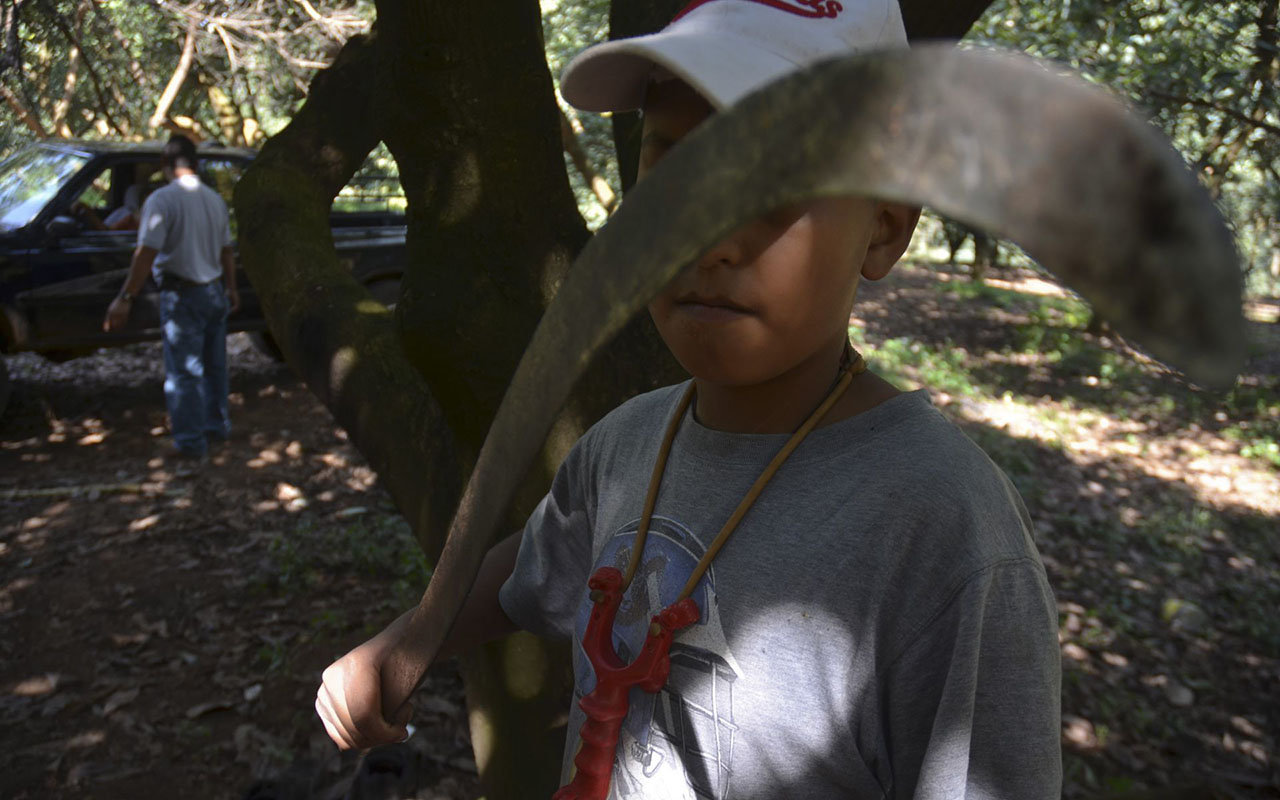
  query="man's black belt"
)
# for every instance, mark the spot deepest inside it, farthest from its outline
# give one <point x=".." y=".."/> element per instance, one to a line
<point x="172" y="282"/>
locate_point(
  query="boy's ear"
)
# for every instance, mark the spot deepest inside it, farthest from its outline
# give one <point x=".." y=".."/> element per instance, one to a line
<point x="894" y="223"/>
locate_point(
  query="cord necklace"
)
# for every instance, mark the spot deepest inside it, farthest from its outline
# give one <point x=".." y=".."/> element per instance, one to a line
<point x="606" y="705"/>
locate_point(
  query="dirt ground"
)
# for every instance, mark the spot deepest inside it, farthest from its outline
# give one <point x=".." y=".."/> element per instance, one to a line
<point x="161" y="629"/>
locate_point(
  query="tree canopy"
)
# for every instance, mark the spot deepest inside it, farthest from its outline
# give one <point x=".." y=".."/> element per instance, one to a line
<point x="233" y="70"/>
<point x="1207" y="73"/>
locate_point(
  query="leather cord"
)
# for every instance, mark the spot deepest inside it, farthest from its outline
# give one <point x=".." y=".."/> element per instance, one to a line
<point x="851" y="364"/>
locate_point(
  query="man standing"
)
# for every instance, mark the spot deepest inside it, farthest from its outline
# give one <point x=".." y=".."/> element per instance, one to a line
<point x="185" y="241"/>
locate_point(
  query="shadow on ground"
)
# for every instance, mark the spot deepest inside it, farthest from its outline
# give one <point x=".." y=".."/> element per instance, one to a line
<point x="165" y="629"/>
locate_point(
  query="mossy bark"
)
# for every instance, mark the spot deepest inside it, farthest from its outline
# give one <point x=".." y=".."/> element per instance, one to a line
<point x="340" y="342"/>
<point x="940" y="19"/>
<point x="462" y="97"/>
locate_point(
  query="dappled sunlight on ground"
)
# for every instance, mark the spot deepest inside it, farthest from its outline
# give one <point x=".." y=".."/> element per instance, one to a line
<point x="1156" y="509"/>
<point x="161" y="621"/>
<point x="1208" y="463"/>
<point x="164" y="624"/>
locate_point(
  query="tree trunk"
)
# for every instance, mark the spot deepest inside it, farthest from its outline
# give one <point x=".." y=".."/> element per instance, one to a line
<point x="63" y="106"/>
<point x="341" y="345"/>
<point x="582" y="162"/>
<point x="175" y="81"/>
<point x="985" y="254"/>
<point x="940" y="19"/>
<point x="492" y="229"/>
<point x="28" y="117"/>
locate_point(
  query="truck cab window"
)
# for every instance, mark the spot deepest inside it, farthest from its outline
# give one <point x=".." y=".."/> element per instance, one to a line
<point x="113" y="200"/>
<point x="30" y="178"/>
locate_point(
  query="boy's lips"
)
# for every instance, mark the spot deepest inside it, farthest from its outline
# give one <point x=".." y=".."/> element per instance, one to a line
<point x="710" y="308"/>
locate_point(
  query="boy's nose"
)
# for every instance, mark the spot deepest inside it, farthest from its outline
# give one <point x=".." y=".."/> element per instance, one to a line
<point x="728" y="252"/>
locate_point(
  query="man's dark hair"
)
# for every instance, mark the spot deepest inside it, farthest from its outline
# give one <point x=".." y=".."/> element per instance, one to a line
<point x="179" y="151"/>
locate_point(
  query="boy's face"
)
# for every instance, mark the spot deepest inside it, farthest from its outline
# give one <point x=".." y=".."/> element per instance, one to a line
<point x="772" y="295"/>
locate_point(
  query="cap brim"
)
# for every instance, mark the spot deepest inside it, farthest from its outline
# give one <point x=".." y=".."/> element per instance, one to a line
<point x="614" y="76"/>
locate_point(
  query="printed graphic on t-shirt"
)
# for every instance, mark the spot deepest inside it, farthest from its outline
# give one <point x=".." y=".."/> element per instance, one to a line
<point x="679" y="742"/>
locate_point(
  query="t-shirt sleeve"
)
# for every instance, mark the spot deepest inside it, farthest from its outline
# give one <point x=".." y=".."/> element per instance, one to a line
<point x="974" y="700"/>
<point x="545" y="588"/>
<point x="153" y="228"/>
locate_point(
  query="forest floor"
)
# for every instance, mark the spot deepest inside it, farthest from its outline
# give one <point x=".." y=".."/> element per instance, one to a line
<point x="165" y="630"/>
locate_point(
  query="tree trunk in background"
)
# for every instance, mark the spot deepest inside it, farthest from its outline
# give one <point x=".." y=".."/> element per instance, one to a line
<point x="493" y="227"/>
<point x="940" y="19"/>
<point x="986" y="254"/>
<point x="633" y="19"/>
<point x="461" y="95"/>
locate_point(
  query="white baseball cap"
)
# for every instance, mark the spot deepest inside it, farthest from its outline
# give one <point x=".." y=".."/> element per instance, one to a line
<point x="725" y="49"/>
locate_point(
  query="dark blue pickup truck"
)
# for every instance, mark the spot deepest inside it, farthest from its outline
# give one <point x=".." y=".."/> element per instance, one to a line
<point x="59" y="268"/>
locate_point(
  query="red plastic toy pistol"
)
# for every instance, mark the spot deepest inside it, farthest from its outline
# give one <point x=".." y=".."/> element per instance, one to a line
<point x="606" y="705"/>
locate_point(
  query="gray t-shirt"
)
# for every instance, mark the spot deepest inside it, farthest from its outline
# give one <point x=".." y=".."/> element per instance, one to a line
<point x="879" y="626"/>
<point x="188" y="224"/>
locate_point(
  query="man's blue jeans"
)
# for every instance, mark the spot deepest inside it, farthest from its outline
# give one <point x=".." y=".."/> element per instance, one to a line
<point x="194" y="319"/>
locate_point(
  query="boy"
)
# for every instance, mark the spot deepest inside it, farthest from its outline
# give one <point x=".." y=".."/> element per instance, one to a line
<point x="879" y="624"/>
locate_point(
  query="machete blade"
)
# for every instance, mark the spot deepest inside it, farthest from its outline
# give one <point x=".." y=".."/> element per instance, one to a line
<point x="1091" y="191"/>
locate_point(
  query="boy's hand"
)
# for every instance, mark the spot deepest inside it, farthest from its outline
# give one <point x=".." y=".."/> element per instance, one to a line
<point x="364" y="697"/>
<point x="350" y="697"/>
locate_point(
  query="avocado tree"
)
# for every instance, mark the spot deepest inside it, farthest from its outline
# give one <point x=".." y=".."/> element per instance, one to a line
<point x="461" y="95"/>
<point x="1207" y="74"/>
<point x="110" y="69"/>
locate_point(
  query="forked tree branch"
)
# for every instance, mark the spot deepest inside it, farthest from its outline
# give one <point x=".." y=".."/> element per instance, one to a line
<point x="82" y="54"/>
<point x="63" y="105"/>
<point x="323" y="22"/>
<point x="599" y="186"/>
<point x="179" y="75"/>
<point x="1239" y="116"/>
<point x="60" y="108"/>
<point x="11" y="57"/>
<point x="22" y="111"/>
<point x="331" y="332"/>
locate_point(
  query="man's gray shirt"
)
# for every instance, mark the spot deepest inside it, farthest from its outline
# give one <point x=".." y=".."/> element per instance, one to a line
<point x="187" y="223"/>
<point x="879" y="625"/>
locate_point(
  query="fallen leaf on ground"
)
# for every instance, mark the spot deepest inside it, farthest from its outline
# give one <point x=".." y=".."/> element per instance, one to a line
<point x="37" y="686"/>
<point x="200" y="709"/>
<point x="118" y="699"/>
